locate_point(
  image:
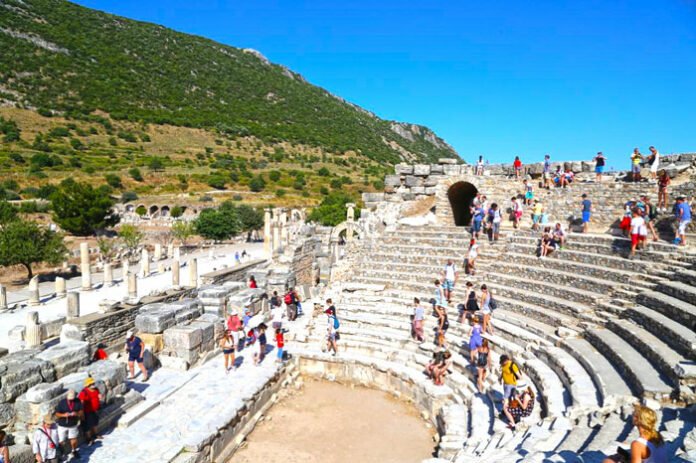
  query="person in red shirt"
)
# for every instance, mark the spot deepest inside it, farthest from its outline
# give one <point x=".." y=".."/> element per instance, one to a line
<point x="280" y="344"/>
<point x="252" y="282"/>
<point x="91" y="402"/>
<point x="100" y="353"/>
<point x="518" y="167"/>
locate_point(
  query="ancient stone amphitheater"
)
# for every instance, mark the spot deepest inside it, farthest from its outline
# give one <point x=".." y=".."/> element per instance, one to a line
<point x="594" y="331"/>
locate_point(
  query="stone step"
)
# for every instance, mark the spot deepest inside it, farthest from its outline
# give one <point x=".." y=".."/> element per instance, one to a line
<point x="680" y="290"/>
<point x="555" y="398"/>
<point x="685" y="276"/>
<point x="605" y="439"/>
<point x="642" y="376"/>
<point x="678" y="336"/>
<point x="614" y="390"/>
<point x="614" y="246"/>
<point x="674" y="308"/>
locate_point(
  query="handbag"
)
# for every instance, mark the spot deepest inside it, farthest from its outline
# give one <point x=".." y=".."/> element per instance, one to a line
<point x="492" y="304"/>
<point x="59" y="449"/>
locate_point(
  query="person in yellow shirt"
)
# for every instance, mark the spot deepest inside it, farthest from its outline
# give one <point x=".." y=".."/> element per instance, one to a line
<point x="636" y="158"/>
<point x="537" y="211"/>
<point x="509" y="375"/>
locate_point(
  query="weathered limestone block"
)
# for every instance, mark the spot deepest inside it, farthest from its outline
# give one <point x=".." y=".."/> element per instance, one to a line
<point x="418" y="190"/>
<point x="372" y="197"/>
<point x="207" y="330"/>
<point x="403" y="169"/>
<point x="182" y="338"/>
<point x="43" y="392"/>
<point x="436" y="169"/>
<point x="154" y="341"/>
<point x="155" y="321"/>
<point x="451" y="169"/>
<point x="447" y="161"/>
<point x="66" y="357"/>
<point x="217" y="322"/>
<point x="187" y="314"/>
<point x="392" y="180"/>
<point x="70" y="333"/>
<point x="51" y="328"/>
<point x="430" y="182"/>
<point x="430" y="191"/>
<point x="421" y="170"/>
<point x="21" y="370"/>
<point x="73" y="302"/>
<point x="412" y="181"/>
<point x="7" y="414"/>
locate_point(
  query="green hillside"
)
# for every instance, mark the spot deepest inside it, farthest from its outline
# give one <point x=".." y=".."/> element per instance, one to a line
<point x="61" y="59"/>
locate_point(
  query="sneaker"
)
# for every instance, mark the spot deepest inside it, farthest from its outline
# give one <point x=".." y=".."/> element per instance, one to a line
<point x="75" y="454"/>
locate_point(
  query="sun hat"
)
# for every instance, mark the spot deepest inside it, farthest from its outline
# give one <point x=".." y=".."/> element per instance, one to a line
<point x="129" y="334"/>
<point x="89" y="381"/>
<point x="48" y="418"/>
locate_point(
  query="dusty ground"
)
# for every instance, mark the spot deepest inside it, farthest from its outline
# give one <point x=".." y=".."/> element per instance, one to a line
<point x="332" y="423"/>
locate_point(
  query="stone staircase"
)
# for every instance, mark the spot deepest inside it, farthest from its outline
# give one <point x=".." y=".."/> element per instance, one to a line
<point x="591" y="329"/>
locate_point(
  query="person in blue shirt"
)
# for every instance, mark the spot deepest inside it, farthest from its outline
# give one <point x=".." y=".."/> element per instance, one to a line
<point x="586" y="212"/>
<point x="135" y="349"/>
<point x="683" y="213"/>
<point x="478" y="219"/>
<point x="547" y="172"/>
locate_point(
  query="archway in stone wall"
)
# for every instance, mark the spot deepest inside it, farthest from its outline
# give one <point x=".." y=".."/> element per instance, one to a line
<point x="461" y="195"/>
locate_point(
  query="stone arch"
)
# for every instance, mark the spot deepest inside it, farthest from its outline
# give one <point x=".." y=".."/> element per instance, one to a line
<point x="164" y="211"/>
<point x="461" y="194"/>
<point x="342" y="228"/>
<point x="153" y="210"/>
<point x="130" y="208"/>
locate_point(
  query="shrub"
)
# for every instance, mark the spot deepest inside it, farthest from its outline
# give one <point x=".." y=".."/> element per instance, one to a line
<point x="140" y="210"/>
<point x="128" y="196"/>
<point x="135" y="174"/>
<point x="176" y="211"/>
<point x="274" y="175"/>
<point x="257" y="184"/>
<point x="280" y="192"/>
<point x="113" y="180"/>
<point x="216" y="181"/>
<point x="324" y="172"/>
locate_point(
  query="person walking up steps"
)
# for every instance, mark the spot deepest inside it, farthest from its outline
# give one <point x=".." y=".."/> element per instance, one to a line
<point x="91" y="403"/>
<point x="45" y="442"/>
<point x="517" y="210"/>
<point x="517" y="164"/>
<point x="494" y="219"/>
<point x="332" y="336"/>
<point x="69" y="413"/>
<point x="649" y="447"/>
<point x="683" y="213"/>
<point x="450" y="276"/>
<point x="509" y="375"/>
<point x="135" y="348"/>
<point x="586" y="212"/>
<point x="537" y="212"/>
<point x="637" y="223"/>
<point x="528" y="192"/>
<point x="649" y="215"/>
<point x="600" y="161"/>
<point x="418" y="317"/>
<point x="280" y="344"/>
<point x="662" y="195"/>
<point x="483" y="364"/>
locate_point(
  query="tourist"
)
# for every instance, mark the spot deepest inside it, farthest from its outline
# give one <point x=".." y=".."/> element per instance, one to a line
<point x="654" y="161"/>
<point x="471" y="256"/>
<point x="636" y="159"/>
<point x="418" y="317"/>
<point x="298" y="302"/>
<point x="637" y="223"/>
<point x="586" y="212"/>
<point x="290" y="300"/>
<point x="228" y="346"/>
<point x="519" y="406"/>
<point x="662" y="196"/>
<point x="100" y="353"/>
<point x="437" y="360"/>
<point x="486" y="309"/>
<point x="246" y="317"/>
<point x="471" y="298"/>
<point x="537" y="212"/>
<point x="568" y="177"/>
<point x="483" y="364"/>
<point x="650" y="215"/>
<point x="441" y="370"/>
<point x="509" y="375"/>
<point x="251" y="337"/>
<point x="442" y="324"/>
<point x="547" y="172"/>
<point x="650" y="446"/>
<point x="277" y="314"/>
<point x="477" y="214"/>
<point x="494" y="219"/>
<point x="479" y="166"/>
<point x="4" y="451"/>
<point x="252" y="282"/>
<point x="600" y="161"/>
<point x="332" y="335"/>
<point x="280" y="344"/>
<point x="439" y="296"/>
<point x="517" y="211"/>
<point x="450" y="276"/>
<point x="234" y="324"/>
<point x="683" y="213"/>
<point x="135" y="348"/>
<point x="547" y="244"/>
<point x="45" y="442"/>
<point x="244" y="254"/>
<point x="91" y="403"/>
<point x="475" y="339"/>
<point x="258" y="358"/>
<point x="69" y="414"/>
<point x="517" y="164"/>
<point x="330" y="306"/>
<point x="237" y="260"/>
<point x="625" y="224"/>
<point x="558" y="177"/>
<point x="559" y="235"/>
<point x="275" y="300"/>
<point x="528" y="193"/>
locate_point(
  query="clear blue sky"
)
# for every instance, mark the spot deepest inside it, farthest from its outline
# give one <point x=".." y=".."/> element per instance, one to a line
<point x="496" y="78"/>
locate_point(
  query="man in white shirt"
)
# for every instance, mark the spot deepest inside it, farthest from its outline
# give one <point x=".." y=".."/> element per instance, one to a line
<point x="46" y="441"/>
<point x="637" y="225"/>
<point x="449" y="275"/>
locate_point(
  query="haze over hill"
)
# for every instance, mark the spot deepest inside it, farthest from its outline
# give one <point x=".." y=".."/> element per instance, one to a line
<point x="62" y="58"/>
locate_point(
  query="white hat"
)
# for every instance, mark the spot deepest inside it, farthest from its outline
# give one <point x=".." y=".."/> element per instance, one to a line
<point x="129" y="334"/>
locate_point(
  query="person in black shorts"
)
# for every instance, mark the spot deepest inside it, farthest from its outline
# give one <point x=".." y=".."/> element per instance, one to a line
<point x="135" y="349"/>
<point x="483" y="364"/>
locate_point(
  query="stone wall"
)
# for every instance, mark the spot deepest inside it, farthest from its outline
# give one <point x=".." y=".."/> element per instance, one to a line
<point x="304" y="261"/>
<point x="236" y="273"/>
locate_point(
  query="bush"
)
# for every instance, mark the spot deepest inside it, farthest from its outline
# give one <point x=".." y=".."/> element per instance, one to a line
<point x="257" y="184"/>
<point x="216" y="181"/>
<point x="140" y="210"/>
<point x="176" y="211"/>
<point x="336" y="184"/>
<point x="45" y="191"/>
<point x="324" y="191"/>
<point x="76" y="144"/>
<point x="332" y="210"/>
<point x="128" y="196"/>
<point x="113" y="180"/>
<point x="324" y="172"/>
<point x="274" y="175"/>
<point x="237" y="197"/>
<point x="218" y="224"/>
<point x="378" y="184"/>
<point x="59" y="132"/>
<point x="280" y="192"/>
<point x="44" y="160"/>
<point x="17" y="158"/>
<point x="156" y="164"/>
<point x="135" y="174"/>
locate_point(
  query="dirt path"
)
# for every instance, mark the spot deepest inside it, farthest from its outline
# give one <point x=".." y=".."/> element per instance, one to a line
<point x="332" y="423"/>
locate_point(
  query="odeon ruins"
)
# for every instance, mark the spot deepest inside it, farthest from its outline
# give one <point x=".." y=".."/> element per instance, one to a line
<point x="593" y="331"/>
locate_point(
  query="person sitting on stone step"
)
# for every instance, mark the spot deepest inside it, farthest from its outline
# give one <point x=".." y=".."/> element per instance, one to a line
<point x="519" y="406"/>
<point x="548" y="244"/>
<point x="559" y="235"/>
<point x="441" y="370"/>
<point x="649" y="447"/>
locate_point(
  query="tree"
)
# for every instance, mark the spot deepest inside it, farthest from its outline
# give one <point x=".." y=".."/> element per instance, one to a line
<point x="217" y="181"/>
<point x="141" y="210"/>
<point x="113" y="180"/>
<point x="251" y="218"/>
<point x="25" y="243"/>
<point x="81" y="210"/>
<point x="8" y="213"/>
<point x="131" y="237"/>
<point x="332" y="210"/>
<point x="107" y="248"/>
<point x="218" y="224"/>
<point x="324" y="172"/>
<point x="135" y="174"/>
<point x="183" y="231"/>
<point x="274" y="175"/>
<point x="156" y="164"/>
<point x="257" y="184"/>
<point x="128" y="196"/>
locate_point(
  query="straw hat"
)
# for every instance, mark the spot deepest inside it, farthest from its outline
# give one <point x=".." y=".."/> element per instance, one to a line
<point x="89" y="381"/>
<point x="48" y="418"/>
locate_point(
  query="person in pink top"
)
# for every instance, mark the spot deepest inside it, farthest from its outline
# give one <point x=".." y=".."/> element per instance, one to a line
<point x="234" y="324"/>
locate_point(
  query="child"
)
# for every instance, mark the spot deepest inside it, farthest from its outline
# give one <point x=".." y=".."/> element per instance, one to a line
<point x="280" y="344"/>
<point x="262" y="345"/>
<point x="227" y="345"/>
<point x="251" y="337"/>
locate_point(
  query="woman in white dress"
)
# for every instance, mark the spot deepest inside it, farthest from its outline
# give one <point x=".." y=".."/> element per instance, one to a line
<point x="654" y="160"/>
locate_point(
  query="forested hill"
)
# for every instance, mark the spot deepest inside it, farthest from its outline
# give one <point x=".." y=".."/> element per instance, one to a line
<point x="62" y="58"/>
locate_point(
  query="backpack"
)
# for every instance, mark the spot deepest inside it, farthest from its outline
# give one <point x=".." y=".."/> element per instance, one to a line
<point x="288" y="298"/>
<point x="514" y="366"/>
<point x="492" y="303"/>
<point x="336" y="323"/>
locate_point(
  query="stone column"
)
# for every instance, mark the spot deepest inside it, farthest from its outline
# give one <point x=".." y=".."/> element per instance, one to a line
<point x="32" y="333"/>
<point x="60" y="287"/>
<point x="125" y="268"/>
<point x="335" y="254"/>
<point x="276" y="237"/>
<point x="3" y="298"/>
<point x="267" y="237"/>
<point x="193" y="273"/>
<point x="160" y="267"/>
<point x="73" y="310"/>
<point x="158" y="252"/>
<point x="177" y="254"/>
<point x="84" y="267"/>
<point x="34" y="298"/>
<point x="350" y="226"/>
<point x="211" y="253"/>
<point x="284" y="228"/>
<point x="145" y="263"/>
<point x="108" y="274"/>
<point x="132" y="285"/>
<point x="175" y="273"/>
<point x="170" y="250"/>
